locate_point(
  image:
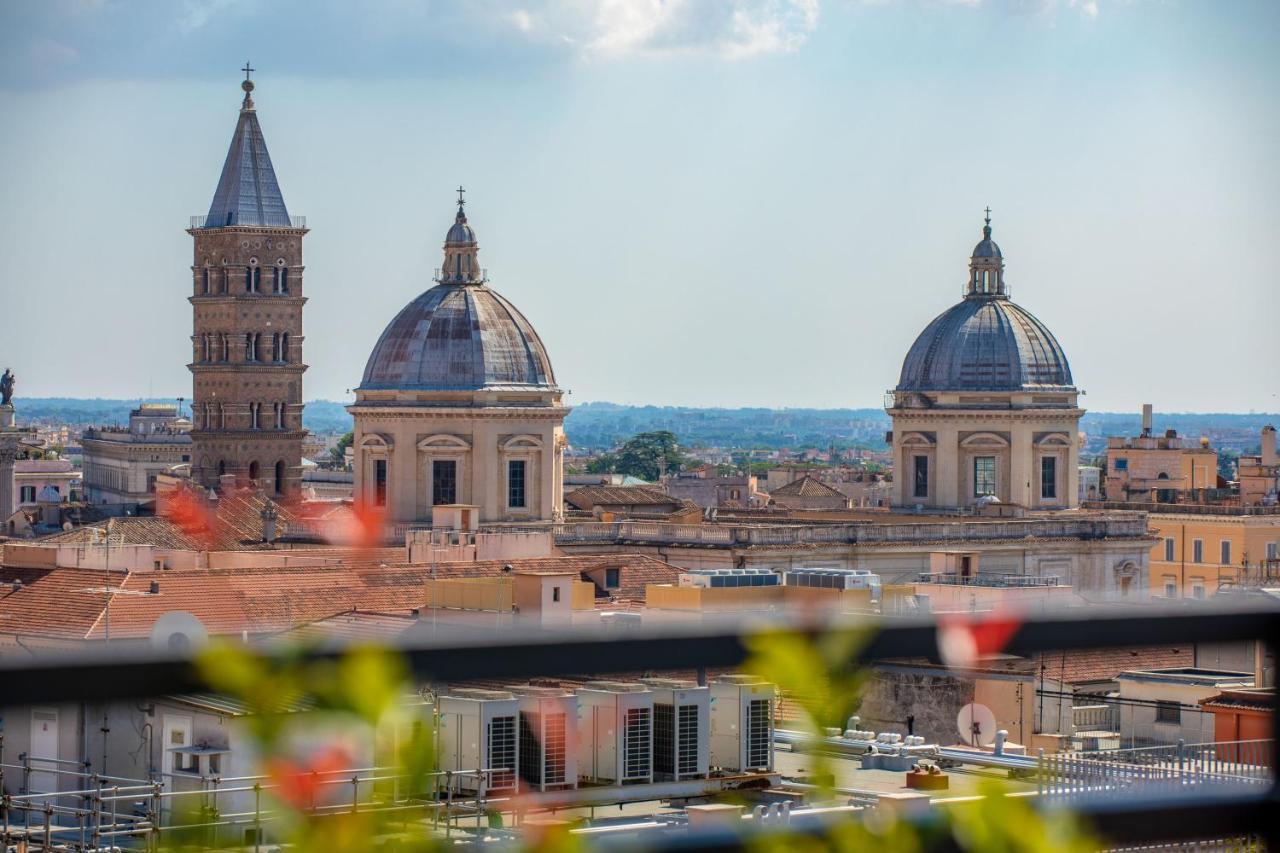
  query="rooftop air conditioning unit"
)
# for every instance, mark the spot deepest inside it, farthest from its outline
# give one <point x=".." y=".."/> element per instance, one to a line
<point x="479" y="731"/>
<point x="615" y="732"/>
<point x="729" y="577"/>
<point x="548" y="736"/>
<point x="681" y="729"/>
<point x="741" y="723"/>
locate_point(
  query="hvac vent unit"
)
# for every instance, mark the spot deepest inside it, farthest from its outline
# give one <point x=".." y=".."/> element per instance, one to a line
<point x="615" y="732"/>
<point x="548" y="736"/>
<point x="729" y="577"/>
<point x="479" y="731"/>
<point x="836" y="579"/>
<point x="741" y="723"/>
<point x="681" y="729"/>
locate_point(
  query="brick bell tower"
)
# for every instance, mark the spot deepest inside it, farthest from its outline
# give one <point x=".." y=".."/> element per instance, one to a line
<point x="247" y="298"/>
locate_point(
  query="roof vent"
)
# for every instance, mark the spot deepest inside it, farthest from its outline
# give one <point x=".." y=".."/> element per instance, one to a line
<point x="155" y="588"/>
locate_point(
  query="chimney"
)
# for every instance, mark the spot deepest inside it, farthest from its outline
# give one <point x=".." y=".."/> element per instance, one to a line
<point x="1269" y="445"/>
<point x="269" y="516"/>
<point x="1146" y="420"/>
<point x="155" y="587"/>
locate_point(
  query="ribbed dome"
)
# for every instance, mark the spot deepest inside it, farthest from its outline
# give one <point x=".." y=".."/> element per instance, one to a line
<point x="987" y="249"/>
<point x="460" y="231"/>
<point x="458" y="337"/>
<point x="984" y="344"/>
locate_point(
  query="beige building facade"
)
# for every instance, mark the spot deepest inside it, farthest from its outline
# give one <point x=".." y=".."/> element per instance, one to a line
<point x="985" y="409"/>
<point x="121" y="464"/>
<point x="459" y="405"/>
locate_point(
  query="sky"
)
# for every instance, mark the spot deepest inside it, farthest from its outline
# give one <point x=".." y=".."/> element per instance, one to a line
<point x="695" y="202"/>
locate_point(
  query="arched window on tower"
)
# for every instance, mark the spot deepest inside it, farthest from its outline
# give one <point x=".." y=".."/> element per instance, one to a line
<point x="224" y="279"/>
<point x="222" y="467"/>
<point x="205" y="288"/>
<point x="284" y="346"/>
<point x="279" y="415"/>
<point x="280" y="477"/>
<point x="253" y="415"/>
<point x="280" y="283"/>
<point x="253" y="471"/>
<point x="253" y="277"/>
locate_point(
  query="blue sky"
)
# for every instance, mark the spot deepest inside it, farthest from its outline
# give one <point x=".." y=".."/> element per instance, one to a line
<point x="758" y="202"/>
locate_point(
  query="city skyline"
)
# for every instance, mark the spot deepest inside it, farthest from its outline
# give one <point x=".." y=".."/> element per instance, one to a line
<point x="790" y="249"/>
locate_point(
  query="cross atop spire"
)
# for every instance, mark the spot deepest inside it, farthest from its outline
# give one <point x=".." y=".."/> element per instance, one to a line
<point x="247" y="85"/>
<point x="461" y="201"/>
<point x="988" y="214"/>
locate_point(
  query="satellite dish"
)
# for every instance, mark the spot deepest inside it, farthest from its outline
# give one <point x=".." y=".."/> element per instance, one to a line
<point x="976" y="724"/>
<point x="178" y="631"/>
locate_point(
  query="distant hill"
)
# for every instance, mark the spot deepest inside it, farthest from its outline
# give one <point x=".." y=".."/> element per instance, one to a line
<point x="599" y="426"/>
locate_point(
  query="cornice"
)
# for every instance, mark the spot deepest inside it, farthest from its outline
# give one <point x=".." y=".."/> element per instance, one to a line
<point x="247" y="367"/>
<point x="486" y="412"/>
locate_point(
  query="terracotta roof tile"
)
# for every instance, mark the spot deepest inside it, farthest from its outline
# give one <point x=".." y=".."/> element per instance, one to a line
<point x="807" y="487"/>
<point x="69" y="602"/>
<point x="1084" y="665"/>
<point x="588" y="497"/>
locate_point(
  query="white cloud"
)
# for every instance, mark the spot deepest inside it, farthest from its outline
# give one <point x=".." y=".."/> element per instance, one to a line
<point x="196" y="14"/>
<point x="733" y="29"/>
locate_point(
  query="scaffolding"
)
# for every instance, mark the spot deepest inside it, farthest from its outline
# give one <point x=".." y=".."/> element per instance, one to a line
<point x="101" y="811"/>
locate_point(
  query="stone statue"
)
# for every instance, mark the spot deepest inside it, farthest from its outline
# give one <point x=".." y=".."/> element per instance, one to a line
<point x="6" y="387"/>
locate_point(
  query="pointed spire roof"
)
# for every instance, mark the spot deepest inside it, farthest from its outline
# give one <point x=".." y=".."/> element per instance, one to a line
<point x="248" y="192"/>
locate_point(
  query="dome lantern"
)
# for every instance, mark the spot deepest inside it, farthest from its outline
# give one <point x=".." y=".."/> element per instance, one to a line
<point x="986" y="266"/>
<point x="461" y="251"/>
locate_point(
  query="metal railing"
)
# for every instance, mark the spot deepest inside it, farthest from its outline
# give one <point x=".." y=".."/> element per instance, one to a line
<point x="989" y="579"/>
<point x="1175" y="770"/>
<point x="1130" y="525"/>
<point x="1130" y="814"/>
<point x="199" y="222"/>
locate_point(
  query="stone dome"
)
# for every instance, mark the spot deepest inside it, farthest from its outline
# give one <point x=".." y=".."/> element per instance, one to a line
<point x="985" y="344"/>
<point x="458" y="336"/>
<point x="987" y="249"/>
<point x="460" y="231"/>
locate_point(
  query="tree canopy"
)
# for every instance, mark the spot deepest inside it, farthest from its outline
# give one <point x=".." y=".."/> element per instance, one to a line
<point x="643" y="456"/>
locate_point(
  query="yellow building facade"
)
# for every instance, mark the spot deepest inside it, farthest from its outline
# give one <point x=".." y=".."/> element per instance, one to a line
<point x="1202" y="549"/>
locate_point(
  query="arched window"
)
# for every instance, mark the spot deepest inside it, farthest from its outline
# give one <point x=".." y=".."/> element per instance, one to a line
<point x="253" y="415"/>
<point x="253" y="277"/>
<point x="222" y="467"/>
<point x="253" y="471"/>
<point x="279" y="415"/>
<point x="284" y="346"/>
<point x="224" y="279"/>
<point x="280" y="477"/>
<point x="281" y="281"/>
<point x="206" y="280"/>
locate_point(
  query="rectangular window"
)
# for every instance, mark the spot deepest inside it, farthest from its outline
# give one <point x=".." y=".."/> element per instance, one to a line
<point x="380" y="482"/>
<point x="1048" y="476"/>
<point x="515" y="483"/>
<point x="1197" y="591"/>
<point x="1226" y="552"/>
<point x="28" y="494"/>
<point x="555" y="593"/>
<point x="1169" y="713"/>
<point x="1121" y="464"/>
<point x="1168" y="549"/>
<point x="921" y="477"/>
<point x="444" y="482"/>
<point x="611" y="578"/>
<point x="984" y="476"/>
<point x="1170" y="589"/>
<point x="1273" y="550"/>
<point x="1197" y="550"/>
